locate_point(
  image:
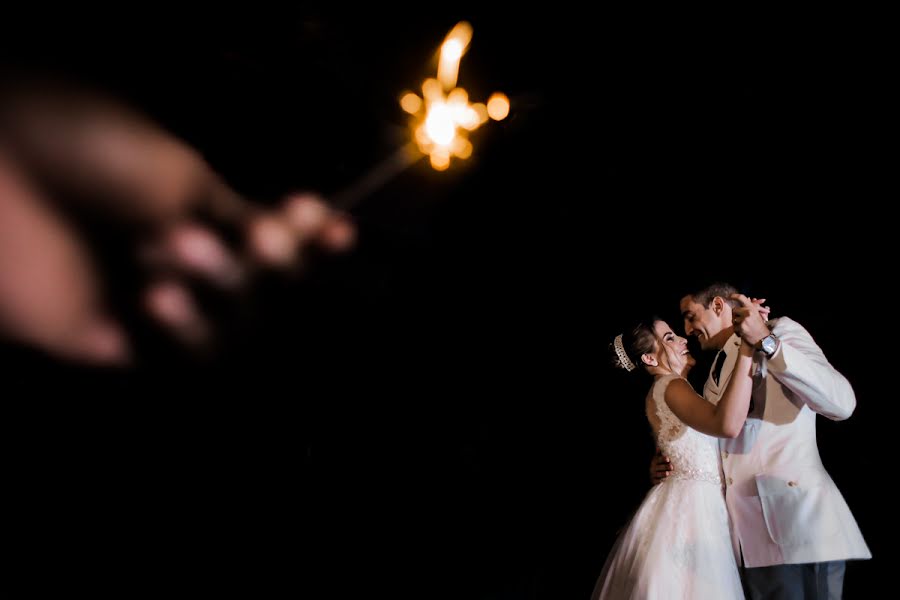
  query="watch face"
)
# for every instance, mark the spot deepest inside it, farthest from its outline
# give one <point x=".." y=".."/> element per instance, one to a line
<point x="768" y="345"/>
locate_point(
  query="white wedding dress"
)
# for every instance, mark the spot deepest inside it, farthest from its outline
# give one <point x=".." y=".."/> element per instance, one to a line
<point x="677" y="545"/>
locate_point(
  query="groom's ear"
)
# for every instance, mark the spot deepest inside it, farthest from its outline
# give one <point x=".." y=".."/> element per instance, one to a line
<point x="649" y="360"/>
<point x="718" y="305"/>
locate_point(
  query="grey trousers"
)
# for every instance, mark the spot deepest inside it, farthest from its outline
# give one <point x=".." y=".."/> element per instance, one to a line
<point x="810" y="581"/>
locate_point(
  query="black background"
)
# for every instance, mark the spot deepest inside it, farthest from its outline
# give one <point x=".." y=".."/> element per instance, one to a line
<point x="435" y="416"/>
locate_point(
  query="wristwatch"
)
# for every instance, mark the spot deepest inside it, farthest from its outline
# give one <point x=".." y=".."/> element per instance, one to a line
<point x="769" y="344"/>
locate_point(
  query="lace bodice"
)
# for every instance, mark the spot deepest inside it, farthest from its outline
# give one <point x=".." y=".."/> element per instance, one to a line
<point x="694" y="455"/>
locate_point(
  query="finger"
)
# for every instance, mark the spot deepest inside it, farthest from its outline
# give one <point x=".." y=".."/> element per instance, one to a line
<point x="338" y="235"/>
<point x="309" y="216"/>
<point x="99" y="341"/>
<point x="306" y="213"/>
<point x="50" y="292"/>
<point x="172" y="306"/>
<point x="744" y="300"/>
<point x="195" y="250"/>
<point x="272" y="241"/>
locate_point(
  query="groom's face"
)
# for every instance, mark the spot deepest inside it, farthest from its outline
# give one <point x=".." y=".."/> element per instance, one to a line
<point x="700" y="322"/>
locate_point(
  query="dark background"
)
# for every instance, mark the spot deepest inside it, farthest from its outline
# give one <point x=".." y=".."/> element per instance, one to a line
<point x="435" y="416"/>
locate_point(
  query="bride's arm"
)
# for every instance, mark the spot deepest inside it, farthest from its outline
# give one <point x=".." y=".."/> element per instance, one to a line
<point x="725" y="419"/>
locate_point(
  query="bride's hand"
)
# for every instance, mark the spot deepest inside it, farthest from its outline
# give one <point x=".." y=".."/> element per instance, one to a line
<point x="746" y="349"/>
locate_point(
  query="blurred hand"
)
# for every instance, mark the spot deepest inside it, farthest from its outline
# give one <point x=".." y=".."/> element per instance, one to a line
<point x="91" y="151"/>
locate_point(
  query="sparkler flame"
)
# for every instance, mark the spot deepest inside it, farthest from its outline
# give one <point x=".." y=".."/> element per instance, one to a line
<point x="443" y="116"/>
<point x="441" y="120"/>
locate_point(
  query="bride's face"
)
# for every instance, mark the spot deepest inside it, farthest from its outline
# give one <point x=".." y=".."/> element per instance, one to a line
<point x="672" y="350"/>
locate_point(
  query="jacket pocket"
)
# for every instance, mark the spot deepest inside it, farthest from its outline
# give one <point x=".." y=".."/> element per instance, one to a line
<point x="798" y="511"/>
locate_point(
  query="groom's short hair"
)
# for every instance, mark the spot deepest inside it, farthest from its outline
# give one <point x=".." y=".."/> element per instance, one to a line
<point x="724" y="290"/>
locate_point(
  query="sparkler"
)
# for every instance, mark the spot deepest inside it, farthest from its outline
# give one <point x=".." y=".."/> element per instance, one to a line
<point x="441" y="120"/>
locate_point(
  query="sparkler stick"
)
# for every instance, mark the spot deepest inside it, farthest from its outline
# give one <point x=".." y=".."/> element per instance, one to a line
<point x="348" y="198"/>
<point x="441" y="120"/>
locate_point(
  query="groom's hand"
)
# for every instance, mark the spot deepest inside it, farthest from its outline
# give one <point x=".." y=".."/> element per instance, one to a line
<point x="660" y="468"/>
<point x="749" y="322"/>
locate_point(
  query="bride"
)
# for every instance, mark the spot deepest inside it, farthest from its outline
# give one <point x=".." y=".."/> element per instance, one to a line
<point x="678" y="545"/>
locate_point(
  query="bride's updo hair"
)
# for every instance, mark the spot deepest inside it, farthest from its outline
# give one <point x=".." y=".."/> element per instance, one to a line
<point x="627" y="348"/>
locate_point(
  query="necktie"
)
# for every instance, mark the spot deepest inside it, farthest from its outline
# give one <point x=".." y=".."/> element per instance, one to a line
<point x="717" y="369"/>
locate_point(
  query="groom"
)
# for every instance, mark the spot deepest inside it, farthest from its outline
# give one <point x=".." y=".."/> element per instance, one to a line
<point x="791" y="528"/>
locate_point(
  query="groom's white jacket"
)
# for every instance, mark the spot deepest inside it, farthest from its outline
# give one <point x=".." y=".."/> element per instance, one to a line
<point x="784" y="507"/>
